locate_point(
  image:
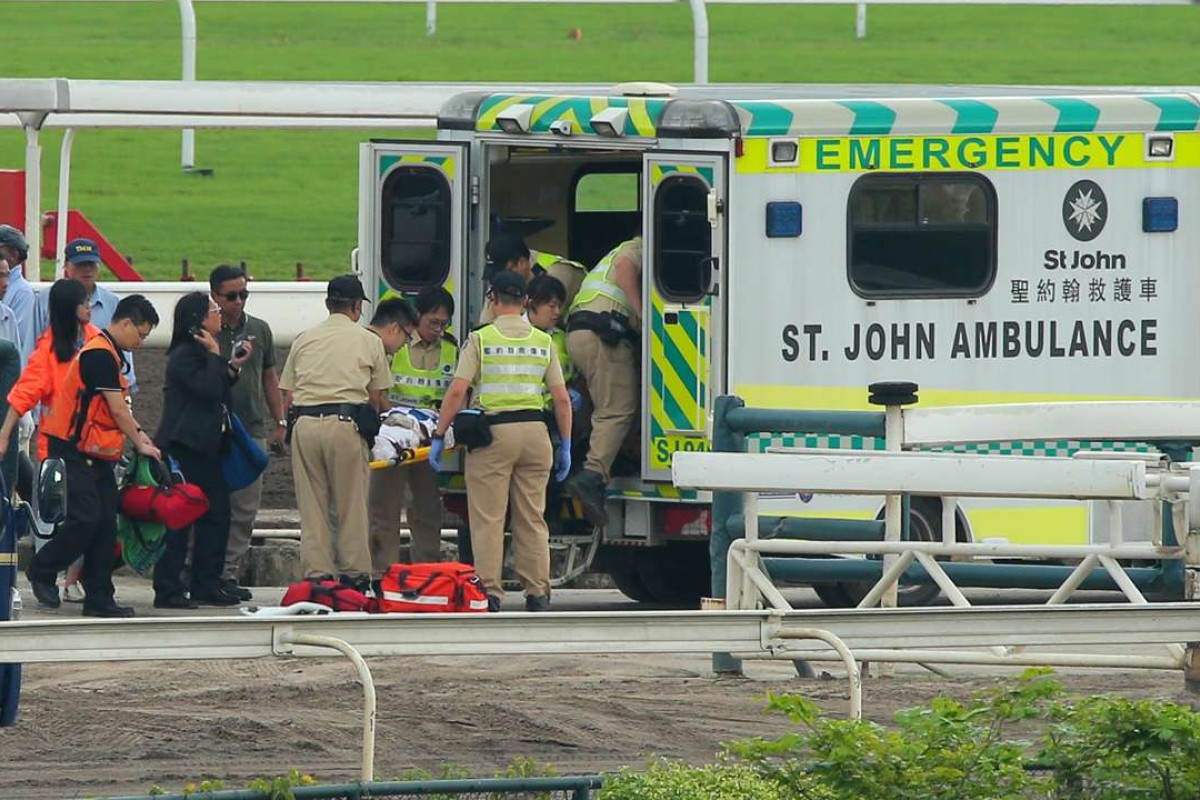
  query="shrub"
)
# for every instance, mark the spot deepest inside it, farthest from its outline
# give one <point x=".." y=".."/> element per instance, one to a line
<point x="673" y="781"/>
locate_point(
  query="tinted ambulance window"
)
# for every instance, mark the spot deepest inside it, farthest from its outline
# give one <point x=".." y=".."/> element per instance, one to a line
<point x="415" y="250"/>
<point x="682" y="239"/>
<point x="930" y="235"/>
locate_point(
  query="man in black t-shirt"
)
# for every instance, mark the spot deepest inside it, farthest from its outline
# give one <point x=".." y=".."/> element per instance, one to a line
<point x="87" y="425"/>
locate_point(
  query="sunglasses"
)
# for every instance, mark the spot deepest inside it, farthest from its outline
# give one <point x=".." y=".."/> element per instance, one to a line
<point x="234" y="296"/>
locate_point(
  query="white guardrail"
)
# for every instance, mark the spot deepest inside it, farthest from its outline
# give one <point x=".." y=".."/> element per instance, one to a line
<point x="851" y="634"/>
<point x="1091" y="476"/>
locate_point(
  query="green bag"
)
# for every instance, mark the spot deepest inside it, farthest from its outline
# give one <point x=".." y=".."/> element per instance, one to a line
<point x="142" y="543"/>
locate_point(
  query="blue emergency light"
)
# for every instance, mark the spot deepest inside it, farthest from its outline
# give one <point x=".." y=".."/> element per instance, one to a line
<point x="784" y="219"/>
<point x="1160" y="214"/>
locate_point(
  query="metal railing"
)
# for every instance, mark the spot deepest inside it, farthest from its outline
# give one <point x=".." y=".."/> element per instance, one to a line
<point x="558" y="788"/>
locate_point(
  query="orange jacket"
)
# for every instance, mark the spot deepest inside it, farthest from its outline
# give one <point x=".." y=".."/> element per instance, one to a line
<point x="83" y="418"/>
<point x="41" y="378"/>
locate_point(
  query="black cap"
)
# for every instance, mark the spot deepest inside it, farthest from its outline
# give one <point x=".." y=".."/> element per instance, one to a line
<point x="345" y="287"/>
<point x="509" y="284"/>
<point x="11" y="237"/>
<point x="505" y="247"/>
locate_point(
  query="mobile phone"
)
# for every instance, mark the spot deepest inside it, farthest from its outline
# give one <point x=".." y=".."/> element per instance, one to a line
<point x="194" y="330"/>
<point x="242" y="346"/>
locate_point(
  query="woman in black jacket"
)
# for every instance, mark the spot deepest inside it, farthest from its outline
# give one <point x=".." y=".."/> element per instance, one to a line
<point x="194" y="432"/>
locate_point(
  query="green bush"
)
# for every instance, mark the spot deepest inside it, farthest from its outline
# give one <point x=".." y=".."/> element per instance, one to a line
<point x="672" y="781"/>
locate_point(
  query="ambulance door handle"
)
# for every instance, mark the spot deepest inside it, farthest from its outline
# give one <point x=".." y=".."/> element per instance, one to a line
<point x="671" y="318"/>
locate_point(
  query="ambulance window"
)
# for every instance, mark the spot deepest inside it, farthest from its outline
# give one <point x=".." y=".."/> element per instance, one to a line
<point x="929" y="235"/>
<point x="607" y="191"/>
<point x="682" y="239"/>
<point x="415" y="251"/>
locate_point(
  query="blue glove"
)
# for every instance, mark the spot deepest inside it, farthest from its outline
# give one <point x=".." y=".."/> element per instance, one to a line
<point x="563" y="460"/>
<point x="435" y="453"/>
<point x="576" y="399"/>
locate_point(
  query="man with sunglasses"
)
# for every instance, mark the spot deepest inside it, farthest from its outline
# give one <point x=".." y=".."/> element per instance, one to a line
<point x="256" y="401"/>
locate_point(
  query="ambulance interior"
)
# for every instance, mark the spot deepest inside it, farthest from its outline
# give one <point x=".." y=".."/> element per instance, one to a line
<point x="580" y="203"/>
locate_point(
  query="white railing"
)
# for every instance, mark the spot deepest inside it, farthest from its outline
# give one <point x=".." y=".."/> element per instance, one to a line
<point x="1096" y="477"/>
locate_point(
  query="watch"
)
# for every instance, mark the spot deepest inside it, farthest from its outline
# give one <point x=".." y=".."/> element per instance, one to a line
<point x="281" y="423"/>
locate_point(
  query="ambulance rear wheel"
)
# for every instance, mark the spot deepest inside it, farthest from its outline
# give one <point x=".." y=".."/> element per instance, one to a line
<point x="629" y="583"/>
<point x="924" y="525"/>
<point x="677" y="573"/>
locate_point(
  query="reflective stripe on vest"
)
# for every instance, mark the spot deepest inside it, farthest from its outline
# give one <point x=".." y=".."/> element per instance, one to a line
<point x="599" y="284"/>
<point x="548" y="260"/>
<point x="512" y="372"/>
<point x="422" y="388"/>
<point x="84" y="418"/>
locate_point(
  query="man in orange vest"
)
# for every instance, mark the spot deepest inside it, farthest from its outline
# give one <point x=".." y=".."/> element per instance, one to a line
<point x="87" y="427"/>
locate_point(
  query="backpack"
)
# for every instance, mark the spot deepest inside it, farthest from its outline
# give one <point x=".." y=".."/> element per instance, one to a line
<point x="330" y="593"/>
<point x="432" y="588"/>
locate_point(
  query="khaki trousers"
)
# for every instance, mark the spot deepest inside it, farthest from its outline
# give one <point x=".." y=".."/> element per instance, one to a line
<point x="243" y="511"/>
<point x="513" y="468"/>
<point x="611" y="375"/>
<point x="329" y="465"/>
<point x="424" y="515"/>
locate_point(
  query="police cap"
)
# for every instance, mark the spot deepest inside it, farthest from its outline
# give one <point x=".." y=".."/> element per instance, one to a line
<point x="345" y="287"/>
<point x="508" y="284"/>
<point x="505" y="247"/>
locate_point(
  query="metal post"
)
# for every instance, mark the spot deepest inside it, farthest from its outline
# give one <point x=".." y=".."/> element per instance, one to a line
<point x="187" y="24"/>
<point x="725" y="505"/>
<point x="699" y="41"/>
<point x="860" y="21"/>
<point x="64" y="200"/>
<point x="893" y="514"/>
<point x="32" y="122"/>
<point x="430" y="17"/>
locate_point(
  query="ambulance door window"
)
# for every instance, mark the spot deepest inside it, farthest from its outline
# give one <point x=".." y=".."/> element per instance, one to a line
<point x="924" y="235"/>
<point x="415" y="251"/>
<point x="605" y="209"/>
<point x="682" y="239"/>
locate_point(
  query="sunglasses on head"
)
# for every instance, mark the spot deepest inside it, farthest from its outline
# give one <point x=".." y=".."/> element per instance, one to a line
<point x="232" y="296"/>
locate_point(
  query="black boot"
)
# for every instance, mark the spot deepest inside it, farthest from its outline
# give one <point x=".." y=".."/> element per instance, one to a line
<point x="45" y="591"/>
<point x="588" y="488"/>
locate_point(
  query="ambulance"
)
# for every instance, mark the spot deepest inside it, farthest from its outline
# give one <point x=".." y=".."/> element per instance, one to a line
<point x="991" y="244"/>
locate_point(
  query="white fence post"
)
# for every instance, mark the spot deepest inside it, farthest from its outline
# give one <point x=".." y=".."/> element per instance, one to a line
<point x="430" y="17"/>
<point x="187" y="23"/>
<point x="860" y="21"/>
<point x="32" y="122"/>
<point x="699" y="41"/>
<point x="64" y="201"/>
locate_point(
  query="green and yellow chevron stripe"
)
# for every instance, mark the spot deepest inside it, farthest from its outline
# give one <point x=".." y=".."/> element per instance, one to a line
<point x="444" y="163"/>
<point x="642" y="119"/>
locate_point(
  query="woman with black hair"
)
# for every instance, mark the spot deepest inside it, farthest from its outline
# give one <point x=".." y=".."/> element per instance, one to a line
<point x="194" y="432"/>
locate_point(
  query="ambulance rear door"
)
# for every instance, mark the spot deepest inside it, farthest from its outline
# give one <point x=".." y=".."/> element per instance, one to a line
<point x="683" y="280"/>
<point x="413" y="223"/>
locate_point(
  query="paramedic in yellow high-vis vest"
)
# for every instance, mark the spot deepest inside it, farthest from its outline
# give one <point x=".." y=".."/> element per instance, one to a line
<point x="508" y="251"/>
<point x="603" y="325"/>
<point x="423" y="369"/>
<point x="511" y="365"/>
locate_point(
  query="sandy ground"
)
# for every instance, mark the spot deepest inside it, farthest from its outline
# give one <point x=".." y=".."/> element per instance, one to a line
<point x="90" y="730"/>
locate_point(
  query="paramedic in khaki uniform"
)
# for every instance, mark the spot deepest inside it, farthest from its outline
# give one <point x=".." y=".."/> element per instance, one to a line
<point x="508" y="251"/>
<point x="602" y="327"/>
<point x="423" y="369"/>
<point x="334" y="372"/>
<point x="511" y="366"/>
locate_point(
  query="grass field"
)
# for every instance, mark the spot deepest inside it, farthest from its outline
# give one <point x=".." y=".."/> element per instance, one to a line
<point x="282" y="197"/>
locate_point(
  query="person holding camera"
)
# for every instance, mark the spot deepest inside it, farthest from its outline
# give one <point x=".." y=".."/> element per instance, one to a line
<point x="194" y="430"/>
<point x="602" y="329"/>
<point x="335" y="386"/>
<point x="256" y="401"/>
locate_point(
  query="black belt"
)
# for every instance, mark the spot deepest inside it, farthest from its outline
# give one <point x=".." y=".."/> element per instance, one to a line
<point x="505" y="417"/>
<point x="343" y="411"/>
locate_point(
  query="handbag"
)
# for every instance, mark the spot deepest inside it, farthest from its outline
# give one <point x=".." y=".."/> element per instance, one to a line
<point x="243" y="460"/>
<point x="174" y="504"/>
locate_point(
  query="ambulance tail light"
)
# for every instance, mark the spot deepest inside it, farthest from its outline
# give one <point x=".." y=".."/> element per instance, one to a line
<point x="515" y="119"/>
<point x="683" y="520"/>
<point x="1160" y="147"/>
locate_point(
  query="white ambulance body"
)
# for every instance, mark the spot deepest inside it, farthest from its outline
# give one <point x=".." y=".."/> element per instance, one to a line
<point x="993" y="245"/>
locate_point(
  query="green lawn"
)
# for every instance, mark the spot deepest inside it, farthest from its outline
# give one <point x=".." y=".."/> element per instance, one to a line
<point x="279" y="197"/>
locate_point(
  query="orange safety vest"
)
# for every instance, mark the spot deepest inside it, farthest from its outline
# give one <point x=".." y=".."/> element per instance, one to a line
<point x="81" y="416"/>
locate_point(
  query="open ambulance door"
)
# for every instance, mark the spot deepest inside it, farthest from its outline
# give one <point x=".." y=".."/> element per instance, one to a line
<point x="683" y="292"/>
<point x="413" y="220"/>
